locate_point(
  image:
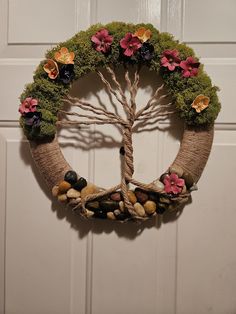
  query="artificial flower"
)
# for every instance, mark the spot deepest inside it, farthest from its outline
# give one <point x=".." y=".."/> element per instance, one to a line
<point x="200" y="103"/>
<point x="147" y="51"/>
<point x="66" y="73"/>
<point x="64" y="56"/>
<point x="173" y="184"/>
<point x="102" y="41"/>
<point x="170" y="59"/>
<point x="28" y="105"/>
<point x="51" y="68"/>
<point x="143" y="34"/>
<point x="130" y="44"/>
<point x="190" y="67"/>
<point x="33" y="119"/>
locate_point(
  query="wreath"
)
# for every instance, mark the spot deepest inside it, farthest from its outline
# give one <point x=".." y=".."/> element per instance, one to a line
<point x="193" y="97"/>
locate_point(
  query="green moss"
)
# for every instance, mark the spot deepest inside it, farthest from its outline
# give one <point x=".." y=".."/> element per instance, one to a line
<point x="50" y="93"/>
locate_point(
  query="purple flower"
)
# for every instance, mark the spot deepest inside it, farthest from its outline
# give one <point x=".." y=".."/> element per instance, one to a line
<point x="102" y="41"/>
<point x="147" y="51"/>
<point x="170" y="59"/>
<point x="190" y="67"/>
<point x="66" y="73"/>
<point x="33" y="119"/>
<point x="130" y="44"/>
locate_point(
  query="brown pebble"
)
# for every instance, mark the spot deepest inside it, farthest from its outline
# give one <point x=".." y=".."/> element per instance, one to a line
<point x="64" y="186"/>
<point x="176" y="169"/>
<point x="150" y="207"/>
<point x="131" y="196"/>
<point x="122" y="206"/>
<point x="72" y="193"/>
<point x="62" y="198"/>
<point x="116" y="196"/>
<point x="55" y="190"/>
<point x="141" y="195"/>
<point x="110" y="215"/>
<point x="139" y="210"/>
<point x="89" y="189"/>
<point x="89" y="213"/>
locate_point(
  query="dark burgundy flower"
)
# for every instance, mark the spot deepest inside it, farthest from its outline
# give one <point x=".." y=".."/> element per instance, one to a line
<point x="33" y="119"/>
<point x="170" y="59"/>
<point x="147" y="51"/>
<point x="130" y="44"/>
<point x="190" y="67"/>
<point x="66" y="73"/>
<point x="102" y="41"/>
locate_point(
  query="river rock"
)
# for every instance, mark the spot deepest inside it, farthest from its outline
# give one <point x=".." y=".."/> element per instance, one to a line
<point x="116" y="196"/>
<point x="72" y="193"/>
<point x="122" y="206"/>
<point x="153" y="196"/>
<point x="89" y="213"/>
<point x="150" y="207"/>
<point x="89" y="189"/>
<point x="93" y="206"/>
<point x="139" y="209"/>
<point x="71" y="176"/>
<point x="62" y="198"/>
<point x="165" y="200"/>
<point x="108" y="205"/>
<point x="100" y="214"/>
<point x="159" y="185"/>
<point x="55" y="190"/>
<point x="141" y="195"/>
<point x="64" y="186"/>
<point x="110" y="215"/>
<point x="131" y="196"/>
<point x="176" y="169"/>
<point x="80" y="184"/>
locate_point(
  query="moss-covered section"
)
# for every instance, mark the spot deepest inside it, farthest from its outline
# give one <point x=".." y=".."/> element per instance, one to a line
<point x="49" y="93"/>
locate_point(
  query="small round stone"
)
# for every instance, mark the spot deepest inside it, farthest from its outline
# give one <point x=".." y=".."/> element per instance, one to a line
<point x="71" y="176"/>
<point x="141" y="195"/>
<point x="108" y="205"/>
<point x="176" y="169"/>
<point x="89" y="213"/>
<point x="122" y="206"/>
<point x="150" y="207"/>
<point x="62" y="198"/>
<point x="139" y="209"/>
<point x="131" y="196"/>
<point x="159" y="185"/>
<point x="55" y="190"/>
<point x="100" y="214"/>
<point x="116" y="196"/>
<point x="152" y="196"/>
<point x="64" y="186"/>
<point x="117" y="212"/>
<point x="110" y="215"/>
<point x="89" y="189"/>
<point x="80" y="184"/>
<point x="93" y="206"/>
<point x="165" y="200"/>
<point x="72" y="193"/>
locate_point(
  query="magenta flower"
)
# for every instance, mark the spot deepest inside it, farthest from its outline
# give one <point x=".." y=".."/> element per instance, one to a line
<point x="28" y="105"/>
<point x="130" y="43"/>
<point x="173" y="184"/>
<point x="102" y="40"/>
<point x="190" y="67"/>
<point x="170" y="59"/>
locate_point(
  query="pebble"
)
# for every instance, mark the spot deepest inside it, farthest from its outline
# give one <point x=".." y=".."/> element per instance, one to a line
<point x="110" y="215"/>
<point x="117" y="212"/>
<point x="153" y="196"/>
<point x="139" y="209"/>
<point x="131" y="196"/>
<point x="80" y="184"/>
<point x="116" y="196"/>
<point x="64" y="186"/>
<point x="94" y="206"/>
<point x="108" y="205"/>
<point x="62" y="197"/>
<point x="89" y="213"/>
<point x="122" y="206"/>
<point x="150" y="207"/>
<point x="89" y="189"/>
<point x="141" y="195"/>
<point x="165" y="200"/>
<point x="100" y="214"/>
<point x="71" y="176"/>
<point x="72" y="193"/>
<point x="121" y="216"/>
<point x="188" y="179"/>
<point x="159" y="185"/>
<point x="55" y="190"/>
<point x="176" y="169"/>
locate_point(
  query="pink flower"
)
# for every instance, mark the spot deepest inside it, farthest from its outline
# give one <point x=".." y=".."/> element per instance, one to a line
<point x="28" y="105"/>
<point x="102" y="40"/>
<point x="130" y="43"/>
<point x="170" y="59"/>
<point x="173" y="184"/>
<point x="190" y="67"/>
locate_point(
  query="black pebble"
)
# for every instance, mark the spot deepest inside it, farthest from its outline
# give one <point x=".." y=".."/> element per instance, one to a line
<point x="80" y="184"/>
<point x="122" y="151"/>
<point x="71" y="177"/>
<point x="100" y="214"/>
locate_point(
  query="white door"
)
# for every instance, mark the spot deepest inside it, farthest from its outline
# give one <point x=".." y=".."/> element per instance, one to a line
<point x="53" y="262"/>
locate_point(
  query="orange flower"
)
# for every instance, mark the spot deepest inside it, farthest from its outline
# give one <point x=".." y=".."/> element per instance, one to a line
<point x="64" y="56"/>
<point x="200" y="103"/>
<point x="51" y="68"/>
<point x="143" y="34"/>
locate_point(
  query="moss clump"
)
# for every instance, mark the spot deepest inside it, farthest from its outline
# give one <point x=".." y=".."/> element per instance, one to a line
<point x="50" y="93"/>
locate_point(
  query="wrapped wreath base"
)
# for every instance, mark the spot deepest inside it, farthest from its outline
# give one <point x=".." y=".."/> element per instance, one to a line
<point x="145" y="201"/>
<point x="193" y="97"/>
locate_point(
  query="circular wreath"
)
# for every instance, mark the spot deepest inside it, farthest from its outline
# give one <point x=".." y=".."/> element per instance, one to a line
<point x="106" y="47"/>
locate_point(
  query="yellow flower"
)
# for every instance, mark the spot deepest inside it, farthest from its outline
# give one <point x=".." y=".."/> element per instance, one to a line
<point x="143" y="34"/>
<point x="64" y="56"/>
<point x="51" y="68"/>
<point x="200" y="103"/>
